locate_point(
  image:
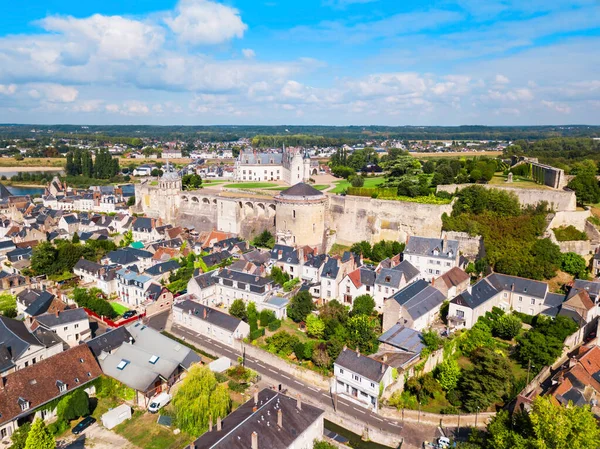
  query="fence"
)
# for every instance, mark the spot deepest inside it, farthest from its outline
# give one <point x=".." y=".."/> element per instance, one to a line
<point x="111" y="323"/>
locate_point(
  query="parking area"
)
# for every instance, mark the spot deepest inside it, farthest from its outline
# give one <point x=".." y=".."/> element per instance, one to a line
<point x="96" y="437"/>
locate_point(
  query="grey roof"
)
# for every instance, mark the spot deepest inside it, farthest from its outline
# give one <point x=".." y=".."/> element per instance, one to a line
<point x="424" y="246"/>
<point x="88" y="265"/>
<point x="592" y="287"/>
<point x="331" y="269"/>
<point x="15" y="337"/>
<point x="367" y="276"/>
<point x="237" y="427"/>
<point x="36" y="301"/>
<point x="161" y="268"/>
<point x="109" y="341"/>
<point x="315" y="261"/>
<point x="64" y="317"/>
<point x="281" y="251"/>
<point x="361" y="364"/>
<point x="128" y="255"/>
<point x="481" y="292"/>
<point x="252" y="158"/>
<point x="246" y="278"/>
<point x="518" y="285"/>
<point x="419" y="298"/>
<point x="213" y="316"/>
<point x="403" y="338"/>
<point x="153" y="291"/>
<point x="4" y="192"/>
<point x="8" y="244"/>
<point x="389" y="278"/>
<point x="143" y="224"/>
<point x="554" y="299"/>
<point x="139" y="372"/>
<point x="301" y="189"/>
<point x="70" y="219"/>
<point x="206" y="280"/>
<point x="408" y="269"/>
<point x="216" y="258"/>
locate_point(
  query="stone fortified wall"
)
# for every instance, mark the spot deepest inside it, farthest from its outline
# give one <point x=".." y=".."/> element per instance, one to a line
<point x="470" y="247"/>
<point x="558" y="200"/>
<point x="356" y="218"/>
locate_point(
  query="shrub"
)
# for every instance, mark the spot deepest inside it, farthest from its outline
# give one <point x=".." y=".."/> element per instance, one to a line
<point x="274" y="325"/>
<point x="256" y="334"/>
<point x="291" y="284"/>
<point x="266" y="317"/>
<point x="236" y="386"/>
<point x="506" y="327"/>
<point x="568" y="233"/>
<point x="282" y="343"/>
<point x="449" y="410"/>
<point x="58" y="427"/>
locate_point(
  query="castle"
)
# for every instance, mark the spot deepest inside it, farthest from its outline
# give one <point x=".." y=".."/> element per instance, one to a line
<point x="298" y="216"/>
<point x="291" y="166"/>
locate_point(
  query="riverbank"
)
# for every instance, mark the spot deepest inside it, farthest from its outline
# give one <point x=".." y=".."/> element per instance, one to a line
<point x="32" y="164"/>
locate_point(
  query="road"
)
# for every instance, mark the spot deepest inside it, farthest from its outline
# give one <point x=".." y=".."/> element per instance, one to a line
<point x="413" y="434"/>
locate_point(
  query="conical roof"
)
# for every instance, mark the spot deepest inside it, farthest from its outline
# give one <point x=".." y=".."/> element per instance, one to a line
<point x="301" y="189"/>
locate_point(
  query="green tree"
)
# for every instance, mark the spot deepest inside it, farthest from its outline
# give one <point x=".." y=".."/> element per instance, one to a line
<point x="487" y="381"/>
<point x="131" y="201"/>
<point x="199" y="399"/>
<point x="127" y="239"/>
<point x="75" y="239"/>
<point x="574" y="264"/>
<point x="323" y="445"/>
<point x="363" y="305"/>
<point x="300" y="306"/>
<point x="74" y="405"/>
<point x="39" y="437"/>
<point x="282" y="343"/>
<point x="356" y="181"/>
<point x="278" y="276"/>
<point x="238" y="309"/>
<point x="264" y="240"/>
<point x="362" y="333"/>
<point x="447" y="374"/>
<point x="19" y="436"/>
<point x="586" y="188"/>
<point x="506" y="327"/>
<point x="314" y="326"/>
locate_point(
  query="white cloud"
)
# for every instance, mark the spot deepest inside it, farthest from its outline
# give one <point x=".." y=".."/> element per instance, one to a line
<point x="8" y="89"/>
<point x="113" y="37"/>
<point x="201" y="22"/>
<point x="501" y="79"/>
<point x="54" y="93"/>
<point x="248" y="53"/>
<point x="562" y="108"/>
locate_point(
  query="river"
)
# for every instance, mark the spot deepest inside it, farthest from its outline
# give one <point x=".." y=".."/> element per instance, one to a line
<point x="20" y="191"/>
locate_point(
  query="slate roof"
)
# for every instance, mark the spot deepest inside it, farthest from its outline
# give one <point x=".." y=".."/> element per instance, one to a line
<point x="7" y="245"/>
<point x="331" y="269"/>
<point x="408" y="269"/>
<point x="481" y="292"/>
<point x="64" y="317"/>
<point x="70" y="219"/>
<point x="161" y="268"/>
<point x="592" y="287"/>
<point x="281" y="251"/>
<point x="143" y="224"/>
<point x="213" y="316"/>
<point x="361" y="364"/>
<point x="216" y="258"/>
<point x="15" y="337"/>
<point x="404" y="338"/>
<point x="36" y="301"/>
<point x="363" y="276"/>
<point x="418" y="298"/>
<point x="125" y="256"/>
<point x="389" y="278"/>
<point x="529" y="287"/>
<point x="253" y="158"/>
<point x="424" y="246"/>
<point x="39" y="383"/>
<point x="261" y="417"/>
<point x="109" y="341"/>
<point x="302" y="190"/>
<point x="4" y="192"/>
<point x="206" y="280"/>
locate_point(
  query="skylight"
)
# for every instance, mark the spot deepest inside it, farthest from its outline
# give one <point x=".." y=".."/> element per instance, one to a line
<point x="122" y="364"/>
<point x="153" y="359"/>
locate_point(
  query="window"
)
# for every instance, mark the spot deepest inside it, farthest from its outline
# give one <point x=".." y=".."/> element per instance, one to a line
<point x="65" y="328"/>
<point x="122" y="364"/>
<point x="532" y="301"/>
<point x="520" y="298"/>
<point x="460" y="313"/>
<point x="356" y="378"/>
<point x="437" y="271"/>
<point x="372" y="385"/>
<point x="386" y="290"/>
<point x="341" y="371"/>
<point x="24" y="405"/>
<point x="294" y="213"/>
<point x="77" y="326"/>
<point x="153" y="359"/>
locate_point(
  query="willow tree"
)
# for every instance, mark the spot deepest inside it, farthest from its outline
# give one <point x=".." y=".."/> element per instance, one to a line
<point x="198" y="399"/>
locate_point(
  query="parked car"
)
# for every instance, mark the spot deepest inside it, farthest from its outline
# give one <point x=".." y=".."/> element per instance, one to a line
<point x="129" y="314"/>
<point x="158" y="402"/>
<point x="83" y="424"/>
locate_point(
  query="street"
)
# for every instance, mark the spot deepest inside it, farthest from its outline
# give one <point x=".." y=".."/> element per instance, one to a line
<point x="413" y="434"/>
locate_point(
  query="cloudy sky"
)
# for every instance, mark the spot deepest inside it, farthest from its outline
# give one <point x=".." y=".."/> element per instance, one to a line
<point x="388" y="62"/>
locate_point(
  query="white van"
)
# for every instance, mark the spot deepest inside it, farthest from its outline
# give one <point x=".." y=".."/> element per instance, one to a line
<point x="158" y="402"/>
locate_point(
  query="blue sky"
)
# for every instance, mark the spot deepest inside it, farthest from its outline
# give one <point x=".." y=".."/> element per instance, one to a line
<point x="493" y="62"/>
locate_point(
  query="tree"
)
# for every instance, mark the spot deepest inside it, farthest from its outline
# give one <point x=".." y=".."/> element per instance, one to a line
<point x="127" y="239"/>
<point x="264" y="240"/>
<point x="238" y="309"/>
<point x="191" y="182"/>
<point x="574" y="264"/>
<point x="43" y="258"/>
<point x="506" y="327"/>
<point x="586" y="188"/>
<point x="252" y="316"/>
<point x="199" y="399"/>
<point x="487" y="381"/>
<point x="363" y="305"/>
<point x="320" y="355"/>
<point x="266" y="317"/>
<point x="39" y="437"/>
<point x="131" y="201"/>
<point x="448" y="374"/>
<point x="282" y="343"/>
<point x="73" y="405"/>
<point x="19" y="437"/>
<point x="300" y="306"/>
<point x="357" y="180"/>
<point x="323" y="445"/>
<point x="314" y="326"/>
<point x="362" y="333"/>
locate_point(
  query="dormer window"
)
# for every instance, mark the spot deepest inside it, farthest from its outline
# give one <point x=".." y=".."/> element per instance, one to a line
<point x="436" y="252"/>
<point x="62" y="387"/>
<point x="24" y="404"/>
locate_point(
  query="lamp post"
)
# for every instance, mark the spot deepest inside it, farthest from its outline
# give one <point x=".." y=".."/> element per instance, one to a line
<point x="419" y="419"/>
<point x="476" y="416"/>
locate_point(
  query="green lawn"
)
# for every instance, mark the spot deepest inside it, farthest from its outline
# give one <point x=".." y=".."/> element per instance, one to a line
<point x="7" y="302"/>
<point x="251" y="185"/>
<point x="369" y="182"/>
<point x="317" y="186"/>
<point x="518" y="181"/>
<point x="143" y="431"/>
<point x="119" y="308"/>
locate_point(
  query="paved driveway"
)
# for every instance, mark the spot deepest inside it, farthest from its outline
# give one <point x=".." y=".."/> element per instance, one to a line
<point x="96" y="437"/>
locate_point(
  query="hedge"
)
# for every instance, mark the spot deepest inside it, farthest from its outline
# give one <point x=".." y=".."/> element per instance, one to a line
<point x="391" y="194"/>
<point x="256" y="334"/>
<point x="274" y="325"/>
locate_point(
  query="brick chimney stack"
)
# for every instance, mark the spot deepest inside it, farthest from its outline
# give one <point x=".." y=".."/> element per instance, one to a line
<point x="254" y="440"/>
<point x="280" y="418"/>
<point x="299" y="403"/>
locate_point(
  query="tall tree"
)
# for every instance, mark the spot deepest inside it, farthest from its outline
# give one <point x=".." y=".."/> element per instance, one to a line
<point x="39" y="437"/>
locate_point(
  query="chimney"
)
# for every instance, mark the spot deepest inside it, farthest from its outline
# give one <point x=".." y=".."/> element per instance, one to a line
<point x="299" y="403"/>
<point x="382" y="368"/>
<point x="445" y="243"/>
<point x="57" y="312"/>
<point x="384" y="358"/>
<point x="254" y="440"/>
<point x="256" y="396"/>
<point x="280" y="418"/>
<point x="205" y="313"/>
<point x="218" y="423"/>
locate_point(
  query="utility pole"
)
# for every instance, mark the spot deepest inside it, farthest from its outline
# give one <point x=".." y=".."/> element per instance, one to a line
<point x="419" y="419"/>
<point x="476" y="416"/>
<point x="528" y="370"/>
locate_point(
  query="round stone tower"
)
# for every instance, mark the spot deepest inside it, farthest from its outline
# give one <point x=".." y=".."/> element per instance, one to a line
<point x="300" y="218"/>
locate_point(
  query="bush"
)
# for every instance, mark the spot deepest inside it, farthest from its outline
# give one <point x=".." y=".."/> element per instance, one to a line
<point x="291" y="284"/>
<point x="449" y="410"/>
<point x="568" y="233"/>
<point x="506" y="327"/>
<point x="282" y="343"/>
<point x="256" y="334"/>
<point x="58" y="427"/>
<point x="274" y="325"/>
<point x="236" y="386"/>
<point x="266" y="317"/>
<point x="220" y="377"/>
